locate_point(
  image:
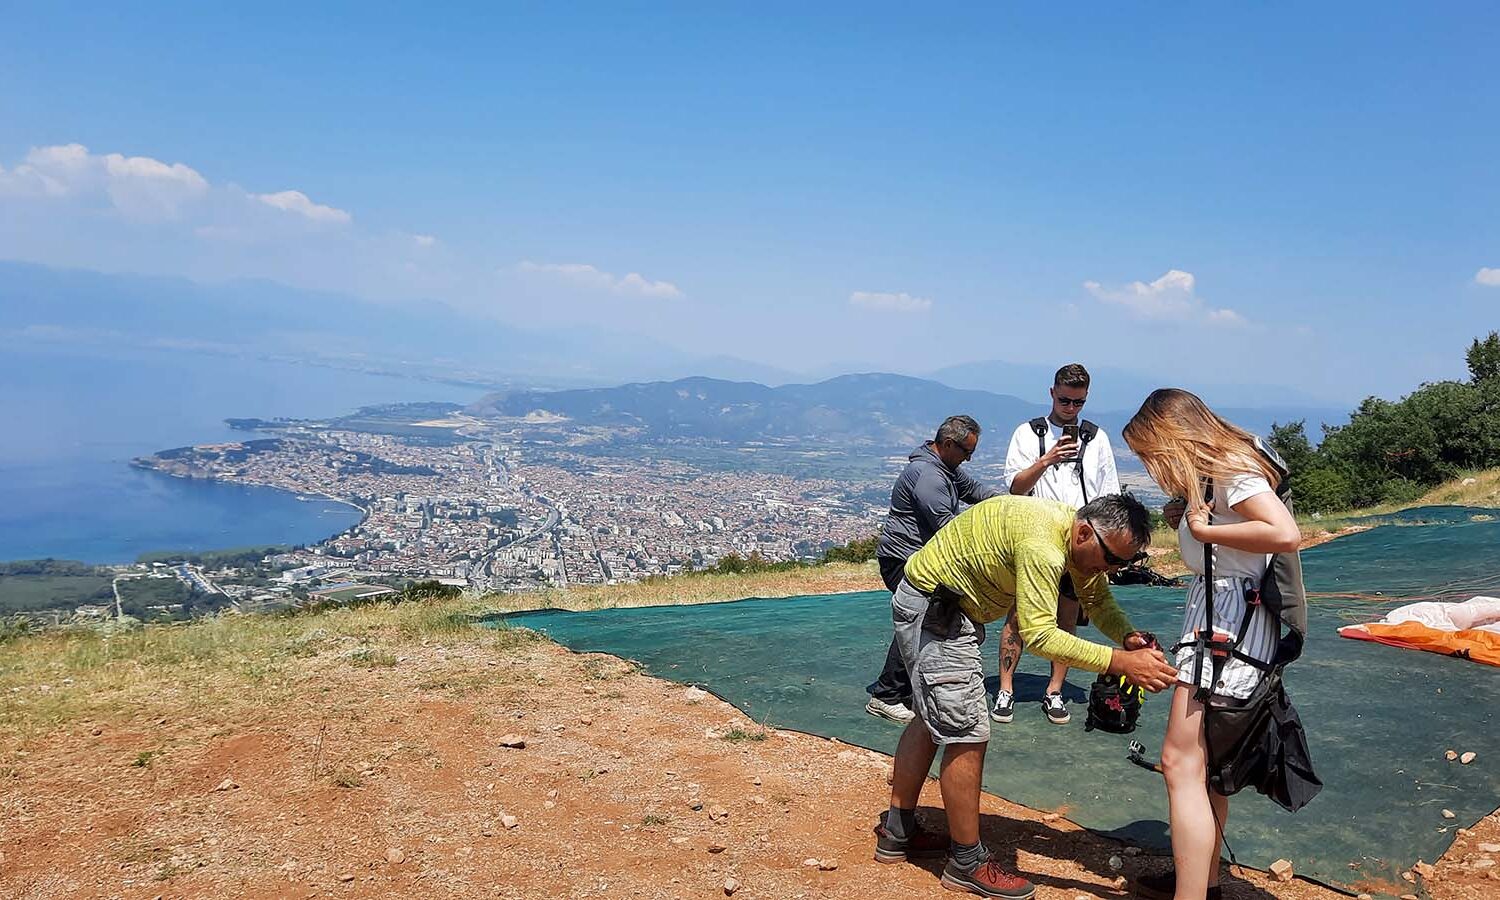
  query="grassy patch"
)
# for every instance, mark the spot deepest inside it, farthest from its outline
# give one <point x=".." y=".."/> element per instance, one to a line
<point x="654" y="821"/>
<point x="608" y="668"/>
<point x="56" y="676"/>
<point x="739" y="735"/>
<point x="698" y="587"/>
<point x="34" y="593"/>
<point x="371" y="658"/>
<point x="143" y="759"/>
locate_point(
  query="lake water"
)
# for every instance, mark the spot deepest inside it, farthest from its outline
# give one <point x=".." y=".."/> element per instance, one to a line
<point x="73" y="421"/>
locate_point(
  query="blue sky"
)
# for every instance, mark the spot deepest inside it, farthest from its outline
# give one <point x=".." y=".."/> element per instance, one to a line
<point x="1268" y="193"/>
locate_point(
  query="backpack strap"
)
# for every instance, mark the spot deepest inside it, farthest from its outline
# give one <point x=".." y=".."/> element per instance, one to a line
<point x="1201" y="693"/>
<point x="1039" y="425"/>
<point x="1086" y="432"/>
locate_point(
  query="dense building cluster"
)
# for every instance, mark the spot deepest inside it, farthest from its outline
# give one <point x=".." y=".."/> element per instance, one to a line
<point x="493" y="515"/>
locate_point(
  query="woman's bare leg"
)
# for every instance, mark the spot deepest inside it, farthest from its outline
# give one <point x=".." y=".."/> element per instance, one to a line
<point x="1195" y="834"/>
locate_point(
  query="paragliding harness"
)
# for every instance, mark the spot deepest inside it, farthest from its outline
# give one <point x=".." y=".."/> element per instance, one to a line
<point x="1086" y="432"/>
<point x="1257" y="742"/>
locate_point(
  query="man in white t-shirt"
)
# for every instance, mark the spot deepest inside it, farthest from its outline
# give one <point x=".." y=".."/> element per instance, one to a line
<point x="1060" y="456"/>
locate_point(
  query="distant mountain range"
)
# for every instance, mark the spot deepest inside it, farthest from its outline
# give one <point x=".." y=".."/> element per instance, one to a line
<point x="1113" y="388"/>
<point x="888" y="412"/>
<point x="40" y="305"/>
<point x="723" y="397"/>
<point x="884" y="410"/>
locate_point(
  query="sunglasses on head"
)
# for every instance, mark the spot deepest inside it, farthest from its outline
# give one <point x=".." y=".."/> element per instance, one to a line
<point x="1109" y="555"/>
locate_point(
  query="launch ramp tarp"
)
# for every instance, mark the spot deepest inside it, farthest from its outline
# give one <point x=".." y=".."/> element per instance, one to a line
<point x="1379" y="719"/>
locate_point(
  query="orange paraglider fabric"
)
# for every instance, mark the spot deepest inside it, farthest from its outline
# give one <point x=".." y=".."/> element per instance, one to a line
<point x="1475" y="644"/>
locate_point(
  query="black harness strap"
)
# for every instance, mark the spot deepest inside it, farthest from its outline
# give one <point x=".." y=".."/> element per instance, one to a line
<point x="1086" y="432"/>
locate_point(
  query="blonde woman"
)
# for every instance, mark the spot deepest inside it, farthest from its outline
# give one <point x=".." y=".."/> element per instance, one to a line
<point x="1186" y="448"/>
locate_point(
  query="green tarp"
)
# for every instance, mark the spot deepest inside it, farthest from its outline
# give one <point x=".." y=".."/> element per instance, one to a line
<point x="1379" y="719"/>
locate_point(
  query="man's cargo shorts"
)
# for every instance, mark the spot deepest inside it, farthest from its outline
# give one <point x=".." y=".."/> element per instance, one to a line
<point x="940" y="646"/>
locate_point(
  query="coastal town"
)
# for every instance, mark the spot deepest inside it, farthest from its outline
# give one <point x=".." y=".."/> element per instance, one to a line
<point x="491" y="515"/>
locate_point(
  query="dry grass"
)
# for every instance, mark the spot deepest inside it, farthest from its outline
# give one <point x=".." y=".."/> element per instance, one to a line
<point x="52" y="678"/>
<point x="698" y="588"/>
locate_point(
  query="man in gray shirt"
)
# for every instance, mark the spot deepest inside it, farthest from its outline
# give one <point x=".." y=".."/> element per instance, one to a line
<point x="926" y="496"/>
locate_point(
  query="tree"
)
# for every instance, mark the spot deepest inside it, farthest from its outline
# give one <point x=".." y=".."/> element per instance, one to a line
<point x="1484" y="359"/>
<point x="1290" y="442"/>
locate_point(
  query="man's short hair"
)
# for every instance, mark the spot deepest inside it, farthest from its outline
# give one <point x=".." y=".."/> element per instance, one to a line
<point x="956" y="429"/>
<point x="1072" y="375"/>
<point x="1119" y="512"/>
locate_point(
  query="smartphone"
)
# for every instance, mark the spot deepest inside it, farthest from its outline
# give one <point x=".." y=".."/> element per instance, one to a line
<point x="1071" y="431"/>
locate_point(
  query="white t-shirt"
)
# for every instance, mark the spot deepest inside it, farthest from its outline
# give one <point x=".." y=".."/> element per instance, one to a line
<point x="1062" y="481"/>
<point x="1228" y="562"/>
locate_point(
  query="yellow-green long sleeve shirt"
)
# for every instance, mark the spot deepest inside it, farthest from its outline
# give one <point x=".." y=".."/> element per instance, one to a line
<point x="1010" y="552"/>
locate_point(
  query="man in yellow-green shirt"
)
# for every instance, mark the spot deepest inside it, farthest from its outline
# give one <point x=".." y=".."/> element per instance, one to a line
<point x="1008" y="552"/>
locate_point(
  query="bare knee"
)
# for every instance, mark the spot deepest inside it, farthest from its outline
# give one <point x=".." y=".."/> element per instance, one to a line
<point x="1182" y="759"/>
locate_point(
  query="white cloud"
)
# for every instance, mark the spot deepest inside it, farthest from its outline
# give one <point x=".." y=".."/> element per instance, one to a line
<point x="298" y="203"/>
<point x="887" y="302"/>
<point x="138" y="187"/>
<point x="69" y="206"/>
<point x="594" y="278"/>
<point x="1172" y="296"/>
<point x="1488" y="277"/>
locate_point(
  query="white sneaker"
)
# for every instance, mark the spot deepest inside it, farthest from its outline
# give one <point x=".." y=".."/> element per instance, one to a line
<point x="1005" y="707"/>
<point x="893" y="711"/>
<point x="1056" y="709"/>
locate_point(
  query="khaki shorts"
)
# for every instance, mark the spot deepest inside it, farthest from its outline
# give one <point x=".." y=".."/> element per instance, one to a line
<point x="940" y="646"/>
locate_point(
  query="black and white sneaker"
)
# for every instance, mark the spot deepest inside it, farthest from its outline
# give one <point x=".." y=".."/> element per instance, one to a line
<point x="1056" y="709"/>
<point x="1005" y="707"/>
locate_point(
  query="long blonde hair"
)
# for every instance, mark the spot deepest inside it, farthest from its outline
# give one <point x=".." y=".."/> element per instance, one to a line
<point x="1181" y="442"/>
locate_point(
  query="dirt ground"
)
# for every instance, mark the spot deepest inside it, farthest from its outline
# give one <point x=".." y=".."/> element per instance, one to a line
<point x="392" y="781"/>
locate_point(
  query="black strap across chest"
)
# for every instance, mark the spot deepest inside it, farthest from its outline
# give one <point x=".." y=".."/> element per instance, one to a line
<point x="1086" y="432"/>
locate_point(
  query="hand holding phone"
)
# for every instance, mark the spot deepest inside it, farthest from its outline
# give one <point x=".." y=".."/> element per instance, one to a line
<point x="1064" y="451"/>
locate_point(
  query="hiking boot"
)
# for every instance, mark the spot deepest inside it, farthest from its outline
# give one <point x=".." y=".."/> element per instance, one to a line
<point x="892" y="711"/>
<point x="1005" y="707"/>
<point x="987" y="880"/>
<point x="1056" y="709"/>
<point x="920" y="844"/>
<point x="1163" y="886"/>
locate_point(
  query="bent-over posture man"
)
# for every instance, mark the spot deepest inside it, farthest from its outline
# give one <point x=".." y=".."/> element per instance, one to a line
<point x="1045" y="460"/>
<point x="925" y="497"/>
<point x="1005" y="553"/>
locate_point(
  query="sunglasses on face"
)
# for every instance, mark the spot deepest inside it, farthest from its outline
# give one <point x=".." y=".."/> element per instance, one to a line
<point x="1114" y="562"/>
<point x="1069" y="401"/>
<point x="966" y="451"/>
